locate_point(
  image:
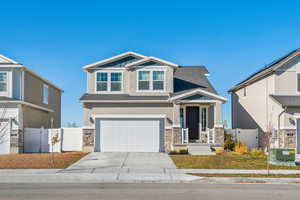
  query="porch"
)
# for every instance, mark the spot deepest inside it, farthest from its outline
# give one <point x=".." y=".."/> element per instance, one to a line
<point x="198" y="123"/>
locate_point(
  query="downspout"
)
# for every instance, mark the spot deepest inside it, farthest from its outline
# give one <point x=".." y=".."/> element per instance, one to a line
<point x="280" y="114"/>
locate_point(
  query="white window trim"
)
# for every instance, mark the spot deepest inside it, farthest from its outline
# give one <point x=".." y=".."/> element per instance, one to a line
<point x="109" y="82"/>
<point x="5" y="93"/>
<point x="150" y="80"/>
<point x="45" y="86"/>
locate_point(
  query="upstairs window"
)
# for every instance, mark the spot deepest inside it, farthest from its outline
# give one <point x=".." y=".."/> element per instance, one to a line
<point x="151" y="80"/>
<point x="144" y="80"/>
<point x="45" y="94"/>
<point x="102" y="79"/>
<point x="3" y="81"/>
<point x="116" y="81"/>
<point x="109" y="82"/>
<point x="158" y="80"/>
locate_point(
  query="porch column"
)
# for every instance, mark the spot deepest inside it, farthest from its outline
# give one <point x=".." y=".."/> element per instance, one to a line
<point x="176" y="130"/>
<point x="218" y="122"/>
<point x="176" y="115"/>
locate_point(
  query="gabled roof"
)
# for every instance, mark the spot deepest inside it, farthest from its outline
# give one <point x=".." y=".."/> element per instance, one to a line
<point x="149" y="59"/>
<point x="114" y="58"/>
<point x="266" y="70"/>
<point x="195" y="92"/>
<point x="7" y="62"/>
<point x="141" y="59"/>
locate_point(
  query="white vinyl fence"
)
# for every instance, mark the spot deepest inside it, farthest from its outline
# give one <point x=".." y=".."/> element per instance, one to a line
<point x="72" y="139"/>
<point x="247" y="136"/>
<point x="5" y="136"/>
<point x="40" y="140"/>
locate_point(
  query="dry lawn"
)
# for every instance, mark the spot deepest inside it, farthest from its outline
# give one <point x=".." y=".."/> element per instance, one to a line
<point x="39" y="160"/>
<point x="224" y="161"/>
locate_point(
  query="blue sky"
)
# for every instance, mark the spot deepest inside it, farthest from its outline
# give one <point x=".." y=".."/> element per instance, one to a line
<point x="231" y="38"/>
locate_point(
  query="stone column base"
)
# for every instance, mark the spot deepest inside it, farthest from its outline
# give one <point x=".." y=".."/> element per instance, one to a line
<point x="88" y="140"/>
<point x="17" y="141"/>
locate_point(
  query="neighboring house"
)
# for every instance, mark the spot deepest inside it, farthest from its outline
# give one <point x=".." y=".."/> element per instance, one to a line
<point x="143" y="104"/>
<point x="26" y="101"/>
<point x="269" y="100"/>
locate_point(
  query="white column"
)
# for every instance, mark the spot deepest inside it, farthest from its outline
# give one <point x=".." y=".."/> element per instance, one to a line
<point x="176" y="114"/>
<point x="218" y="114"/>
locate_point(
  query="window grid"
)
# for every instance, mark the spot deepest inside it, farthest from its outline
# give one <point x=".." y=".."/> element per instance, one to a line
<point x="109" y="81"/>
<point x="156" y="80"/>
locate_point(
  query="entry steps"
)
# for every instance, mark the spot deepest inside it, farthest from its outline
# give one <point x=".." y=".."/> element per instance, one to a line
<point x="200" y="149"/>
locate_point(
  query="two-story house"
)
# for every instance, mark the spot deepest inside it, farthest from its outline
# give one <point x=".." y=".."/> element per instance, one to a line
<point x="26" y="101"/>
<point x="269" y="100"/>
<point x="136" y="103"/>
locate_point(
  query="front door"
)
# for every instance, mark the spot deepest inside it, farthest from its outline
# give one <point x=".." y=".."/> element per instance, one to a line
<point x="192" y="122"/>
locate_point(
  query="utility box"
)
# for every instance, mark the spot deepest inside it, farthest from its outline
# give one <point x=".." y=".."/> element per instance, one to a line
<point x="282" y="157"/>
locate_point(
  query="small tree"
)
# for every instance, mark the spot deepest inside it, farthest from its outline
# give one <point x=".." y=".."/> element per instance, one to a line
<point x="54" y="140"/>
<point x="267" y="140"/>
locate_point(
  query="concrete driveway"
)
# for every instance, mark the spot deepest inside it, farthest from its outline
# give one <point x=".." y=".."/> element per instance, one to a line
<point x="98" y="162"/>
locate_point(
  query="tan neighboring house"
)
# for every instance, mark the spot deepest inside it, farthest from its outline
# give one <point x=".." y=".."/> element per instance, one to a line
<point x="26" y="101"/>
<point x="136" y="103"/>
<point x="269" y="100"/>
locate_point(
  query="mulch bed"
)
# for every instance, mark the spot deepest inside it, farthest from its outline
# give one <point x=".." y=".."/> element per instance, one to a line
<point x="40" y="160"/>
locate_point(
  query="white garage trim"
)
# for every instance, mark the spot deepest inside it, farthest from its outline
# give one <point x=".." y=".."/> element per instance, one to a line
<point x="128" y="116"/>
<point x="130" y="134"/>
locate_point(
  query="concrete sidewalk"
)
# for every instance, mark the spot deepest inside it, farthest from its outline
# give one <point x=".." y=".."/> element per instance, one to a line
<point x="234" y="171"/>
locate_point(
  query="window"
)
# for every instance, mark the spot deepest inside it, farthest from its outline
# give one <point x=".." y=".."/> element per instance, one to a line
<point x="45" y="94"/>
<point x="245" y="91"/>
<point x="116" y="82"/>
<point x="203" y="119"/>
<point x="106" y="81"/>
<point x="102" y="79"/>
<point x="144" y="80"/>
<point x="158" y="80"/>
<point x="181" y="118"/>
<point x="298" y="82"/>
<point x="3" y="81"/>
<point x="151" y="80"/>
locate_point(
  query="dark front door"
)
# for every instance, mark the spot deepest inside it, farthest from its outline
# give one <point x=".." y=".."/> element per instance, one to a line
<point x="192" y="122"/>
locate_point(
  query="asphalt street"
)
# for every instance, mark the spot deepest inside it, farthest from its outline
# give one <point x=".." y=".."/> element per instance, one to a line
<point x="10" y="191"/>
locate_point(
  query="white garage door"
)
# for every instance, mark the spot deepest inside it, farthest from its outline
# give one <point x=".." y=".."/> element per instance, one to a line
<point x="129" y="135"/>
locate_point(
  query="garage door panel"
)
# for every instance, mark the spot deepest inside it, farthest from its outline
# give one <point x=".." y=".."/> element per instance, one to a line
<point x="129" y="135"/>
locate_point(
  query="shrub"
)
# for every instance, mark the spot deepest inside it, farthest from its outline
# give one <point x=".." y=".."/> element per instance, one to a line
<point x="179" y="152"/>
<point x="241" y="148"/>
<point x="219" y="151"/>
<point x="228" y="142"/>
<point x="257" y="153"/>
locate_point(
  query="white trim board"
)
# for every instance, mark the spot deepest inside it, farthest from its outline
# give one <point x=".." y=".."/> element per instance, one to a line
<point x="198" y="91"/>
<point x="128" y="116"/>
<point x="151" y="58"/>
<point x="125" y="101"/>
